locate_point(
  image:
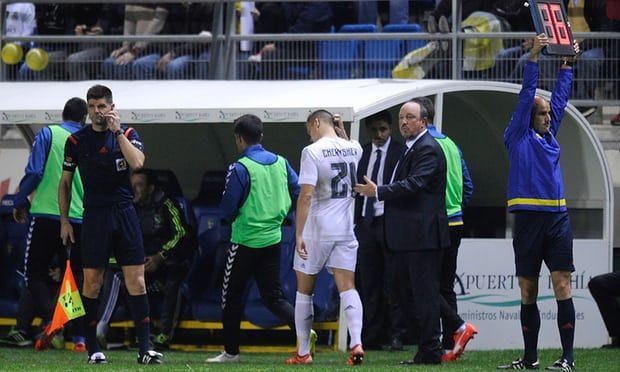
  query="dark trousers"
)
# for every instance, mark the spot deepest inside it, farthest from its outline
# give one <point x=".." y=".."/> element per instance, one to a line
<point x="167" y="281"/>
<point x="242" y="264"/>
<point x="43" y="243"/>
<point x="450" y="319"/>
<point x="377" y="284"/>
<point x="418" y="273"/>
<point x="606" y="292"/>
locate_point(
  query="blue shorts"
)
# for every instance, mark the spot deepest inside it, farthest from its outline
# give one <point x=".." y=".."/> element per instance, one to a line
<point x="111" y="230"/>
<point x="542" y="236"/>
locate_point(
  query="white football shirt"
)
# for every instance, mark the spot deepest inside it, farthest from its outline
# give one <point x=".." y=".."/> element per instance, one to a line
<point x="330" y="165"/>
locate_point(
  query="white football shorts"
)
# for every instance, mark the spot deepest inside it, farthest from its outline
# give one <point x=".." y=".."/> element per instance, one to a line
<point x="332" y="254"/>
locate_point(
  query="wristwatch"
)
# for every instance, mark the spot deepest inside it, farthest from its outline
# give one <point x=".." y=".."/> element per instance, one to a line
<point x="119" y="132"/>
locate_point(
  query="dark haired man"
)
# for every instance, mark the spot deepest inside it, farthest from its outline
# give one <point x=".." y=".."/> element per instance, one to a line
<point x="375" y="264"/>
<point x="104" y="153"/>
<point x="416" y="224"/>
<point x="542" y="229"/>
<point x="260" y="189"/>
<point x="42" y="176"/>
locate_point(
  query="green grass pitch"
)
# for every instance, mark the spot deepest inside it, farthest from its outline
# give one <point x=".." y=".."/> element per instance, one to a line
<point x="65" y="360"/>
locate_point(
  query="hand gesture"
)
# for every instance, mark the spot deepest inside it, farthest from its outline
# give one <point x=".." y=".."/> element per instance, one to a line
<point x="369" y="189"/>
<point x="113" y="120"/>
<point x="300" y="247"/>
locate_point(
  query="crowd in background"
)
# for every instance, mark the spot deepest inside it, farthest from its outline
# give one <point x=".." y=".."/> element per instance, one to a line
<point x="503" y="60"/>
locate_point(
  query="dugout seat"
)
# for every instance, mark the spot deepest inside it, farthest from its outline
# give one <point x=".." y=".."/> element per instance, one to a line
<point x="211" y="189"/>
<point x="203" y="285"/>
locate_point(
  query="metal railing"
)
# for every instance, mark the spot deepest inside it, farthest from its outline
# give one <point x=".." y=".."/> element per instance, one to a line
<point x="319" y="56"/>
<point x="323" y="56"/>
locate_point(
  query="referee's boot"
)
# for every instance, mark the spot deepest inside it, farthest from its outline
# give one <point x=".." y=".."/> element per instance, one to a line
<point x="151" y="357"/>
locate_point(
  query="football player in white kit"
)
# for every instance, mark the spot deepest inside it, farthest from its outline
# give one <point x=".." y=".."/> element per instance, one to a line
<point x="324" y="232"/>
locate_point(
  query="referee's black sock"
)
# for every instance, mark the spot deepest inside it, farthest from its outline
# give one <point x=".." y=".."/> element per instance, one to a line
<point x="140" y="312"/>
<point x="530" y="325"/>
<point x="91" y="306"/>
<point x="566" y="325"/>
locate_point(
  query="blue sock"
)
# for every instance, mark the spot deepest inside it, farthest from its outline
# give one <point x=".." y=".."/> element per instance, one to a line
<point x="91" y="306"/>
<point x="139" y="306"/>
<point x="566" y="325"/>
<point x="530" y="325"/>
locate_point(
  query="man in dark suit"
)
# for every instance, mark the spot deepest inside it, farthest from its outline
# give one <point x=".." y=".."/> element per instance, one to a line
<point x="375" y="264"/>
<point x="416" y="224"/>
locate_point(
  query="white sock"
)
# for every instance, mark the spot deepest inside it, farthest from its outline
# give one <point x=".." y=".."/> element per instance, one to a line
<point x="354" y="313"/>
<point x="304" y="316"/>
<point x="461" y="328"/>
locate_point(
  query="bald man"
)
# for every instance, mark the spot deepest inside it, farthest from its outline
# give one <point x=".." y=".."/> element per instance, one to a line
<point x="542" y="229"/>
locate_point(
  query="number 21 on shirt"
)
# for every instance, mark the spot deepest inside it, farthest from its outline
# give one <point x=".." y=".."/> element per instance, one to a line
<point x="340" y="187"/>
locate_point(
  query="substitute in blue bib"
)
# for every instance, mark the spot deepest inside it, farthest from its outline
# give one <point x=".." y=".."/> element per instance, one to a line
<point x="260" y="189"/>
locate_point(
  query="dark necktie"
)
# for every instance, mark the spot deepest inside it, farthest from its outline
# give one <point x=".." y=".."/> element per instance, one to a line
<point x="369" y="212"/>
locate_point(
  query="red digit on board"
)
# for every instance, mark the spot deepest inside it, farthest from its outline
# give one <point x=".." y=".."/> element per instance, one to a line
<point x="548" y="21"/>
<point x="560" y="24"/>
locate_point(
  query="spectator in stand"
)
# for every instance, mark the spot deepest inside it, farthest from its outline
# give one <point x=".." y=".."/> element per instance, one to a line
<point x="301" y="17"/>
<point x="368" y="12"/>
<point x="52" y="19"/>
<point x="136" y="60"/>
<point x="93" y="20"/>
<point x="20" y="21"/>
<point x="187" y="61"/>
<point x="344" y="13"/>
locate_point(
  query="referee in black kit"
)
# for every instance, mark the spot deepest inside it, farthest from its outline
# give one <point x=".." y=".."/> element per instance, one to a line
<point x="105" y="152"/>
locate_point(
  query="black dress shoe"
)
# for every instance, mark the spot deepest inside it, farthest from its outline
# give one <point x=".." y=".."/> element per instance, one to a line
<point x="396" y="344"/>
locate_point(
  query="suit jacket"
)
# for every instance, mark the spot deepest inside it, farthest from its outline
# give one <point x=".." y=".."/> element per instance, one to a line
<point x="394" y="151"/>
<point x="415" y="206"/>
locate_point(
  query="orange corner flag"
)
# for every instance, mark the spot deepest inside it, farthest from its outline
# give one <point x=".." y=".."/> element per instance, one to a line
<point x="69" y="305"/>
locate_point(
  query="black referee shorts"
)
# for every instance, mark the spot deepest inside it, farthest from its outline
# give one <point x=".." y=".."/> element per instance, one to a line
<point x="111" y="230"/>
<point x="542" y="236"/>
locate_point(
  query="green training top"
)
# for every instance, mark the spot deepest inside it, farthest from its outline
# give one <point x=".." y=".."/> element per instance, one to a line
<point x="454" y="175"/>
<point x="45" y="200"/>
<point x="260" y="218"/>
